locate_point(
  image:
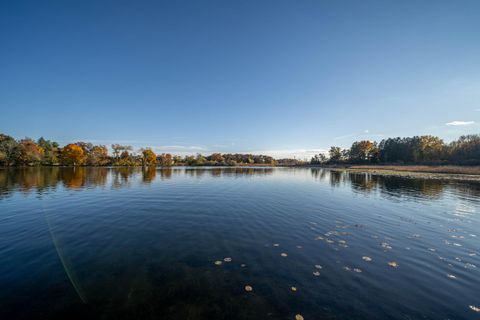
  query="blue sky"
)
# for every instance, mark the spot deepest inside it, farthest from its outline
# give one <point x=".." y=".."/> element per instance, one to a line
<point x="277" y="77"/>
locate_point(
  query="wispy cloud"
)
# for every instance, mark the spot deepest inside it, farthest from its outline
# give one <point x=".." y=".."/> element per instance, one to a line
<point x="181" y="150"/>
<point x="194" y="148"/>
<point x="360" y="135"/>
<point x="290" y="153"/>
<point x="222" y="145"/>
<point x="345" y="136"/>
<point x="460" y="123"/>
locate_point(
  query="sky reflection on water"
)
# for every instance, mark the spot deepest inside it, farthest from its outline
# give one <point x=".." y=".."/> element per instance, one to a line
<point x="142" y="243"/>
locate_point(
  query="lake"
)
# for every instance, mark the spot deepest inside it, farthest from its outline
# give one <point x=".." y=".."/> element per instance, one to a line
<point x="236" y="243"/>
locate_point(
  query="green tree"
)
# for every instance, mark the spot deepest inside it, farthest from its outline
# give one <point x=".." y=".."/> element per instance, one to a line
<point x="318" y="159"/>
<point x="51" y="151"/>
<point x="10" y="150"/>
<point x="200" y="159"/>
<point x="335" y="154"/>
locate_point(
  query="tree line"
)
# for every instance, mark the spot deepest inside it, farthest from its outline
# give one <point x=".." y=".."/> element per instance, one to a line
<point x="410" y="150"/>
<point x="28" y="152"/>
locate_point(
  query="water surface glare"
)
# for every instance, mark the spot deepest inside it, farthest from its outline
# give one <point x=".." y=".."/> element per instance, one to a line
<point x="236" y="243"/>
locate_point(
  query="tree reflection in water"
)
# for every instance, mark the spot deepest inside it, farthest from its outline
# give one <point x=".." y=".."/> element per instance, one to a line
<point x="43" y="179"/>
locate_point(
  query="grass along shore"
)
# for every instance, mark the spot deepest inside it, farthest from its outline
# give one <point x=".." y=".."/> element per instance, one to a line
<point x="471" y="173"/>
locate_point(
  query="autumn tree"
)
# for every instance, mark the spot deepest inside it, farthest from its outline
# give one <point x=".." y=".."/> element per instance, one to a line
<point x="117" y="149"/>
<point x="30" y="152"/>
<point x="98" y="156"/>
<point x="165" y="160"/>
<point x="428" y="148"/>
<point x="190" y="160"/>
<point x="216" y="157"/>
<point x="123" y="157"/>
<point x="176" y="160"/>
<point x="51" y="151"/>
<point x="73" y="154"/>
<point x="363" y="151"/>
<point x="149" y="157"/>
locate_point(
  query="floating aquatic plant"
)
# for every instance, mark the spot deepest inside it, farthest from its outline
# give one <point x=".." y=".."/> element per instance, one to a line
<point x="474" y="308"/>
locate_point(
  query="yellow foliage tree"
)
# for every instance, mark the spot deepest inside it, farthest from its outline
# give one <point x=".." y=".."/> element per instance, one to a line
<point x="149" y="157"/>
<point x="73" y="154"/>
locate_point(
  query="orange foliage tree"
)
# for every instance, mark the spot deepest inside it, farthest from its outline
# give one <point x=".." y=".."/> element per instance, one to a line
<point x="31" y="153"/>
<point x="73" y="154"/>
<point x="149" y="157"/>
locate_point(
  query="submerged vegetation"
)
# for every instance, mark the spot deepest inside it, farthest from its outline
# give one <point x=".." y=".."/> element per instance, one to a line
<point x="425" y="150"/>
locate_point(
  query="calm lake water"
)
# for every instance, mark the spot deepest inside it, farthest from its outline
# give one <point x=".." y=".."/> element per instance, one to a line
<point x="127" y="243"/>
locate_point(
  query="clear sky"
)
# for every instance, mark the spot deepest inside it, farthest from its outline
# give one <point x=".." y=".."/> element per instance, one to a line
<point x="277" y="77"/>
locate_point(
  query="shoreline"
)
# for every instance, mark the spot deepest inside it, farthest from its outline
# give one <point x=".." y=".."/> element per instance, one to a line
<point x="449" y="172"/>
